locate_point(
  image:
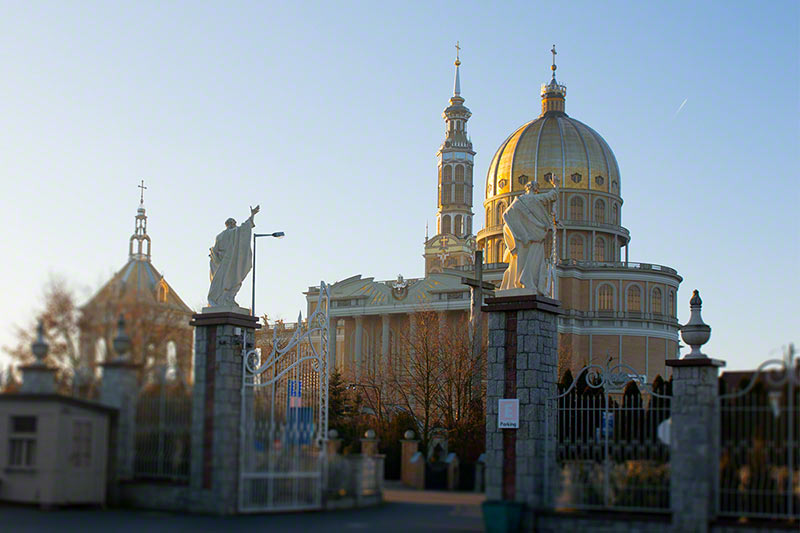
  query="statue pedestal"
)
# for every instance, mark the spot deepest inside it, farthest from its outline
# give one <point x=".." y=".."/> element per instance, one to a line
<point x="522" y="361"/>
<point x="226" y="309"/>
<point x="221" y="338"/>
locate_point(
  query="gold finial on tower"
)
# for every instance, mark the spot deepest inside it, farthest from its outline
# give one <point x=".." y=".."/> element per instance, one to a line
<point x="553" y="67"/>
<point x="458" y="53"/>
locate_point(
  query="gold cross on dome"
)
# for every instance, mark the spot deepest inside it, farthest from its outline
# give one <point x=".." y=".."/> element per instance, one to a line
<point x="458" y="49"/>
<point x="142" y="187"/>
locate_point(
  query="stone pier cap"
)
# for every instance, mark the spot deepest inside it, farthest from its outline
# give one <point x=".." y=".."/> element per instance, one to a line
<point x="521" y="302"/>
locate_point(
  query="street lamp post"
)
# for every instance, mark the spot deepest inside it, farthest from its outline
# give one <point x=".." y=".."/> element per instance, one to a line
<point x="354" y="386"/>
<point x="277" y="235"/>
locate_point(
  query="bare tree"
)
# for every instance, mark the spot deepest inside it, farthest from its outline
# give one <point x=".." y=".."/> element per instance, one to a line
<point x="60" y="317"/>
<point x="462" y="390"/>
<point x="415" y="378"/>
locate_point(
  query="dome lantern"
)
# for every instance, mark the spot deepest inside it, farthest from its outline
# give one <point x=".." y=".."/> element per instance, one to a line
<point x="553" y="94"/>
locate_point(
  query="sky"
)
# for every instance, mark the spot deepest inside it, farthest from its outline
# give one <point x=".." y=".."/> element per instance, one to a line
<point x="328" y="115"/>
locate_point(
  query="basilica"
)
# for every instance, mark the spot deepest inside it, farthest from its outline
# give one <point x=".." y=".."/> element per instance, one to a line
<point x="615" y="310"/>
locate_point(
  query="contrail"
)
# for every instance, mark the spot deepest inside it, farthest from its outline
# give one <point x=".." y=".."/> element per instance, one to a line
<point x="681" y="107"/>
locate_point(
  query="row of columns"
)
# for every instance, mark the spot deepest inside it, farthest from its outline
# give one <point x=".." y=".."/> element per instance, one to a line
<point x="358" y="341"/>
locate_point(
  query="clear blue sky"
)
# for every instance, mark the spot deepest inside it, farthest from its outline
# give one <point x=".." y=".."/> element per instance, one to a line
<point x="329" y="116"/>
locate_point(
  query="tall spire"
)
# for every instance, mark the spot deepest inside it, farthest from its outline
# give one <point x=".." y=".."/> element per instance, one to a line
<point x="140" y="236"/>
<point x="457" y="83"/>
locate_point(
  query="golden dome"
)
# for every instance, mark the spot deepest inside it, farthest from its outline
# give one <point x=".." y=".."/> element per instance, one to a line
<point x="553" y="145"/>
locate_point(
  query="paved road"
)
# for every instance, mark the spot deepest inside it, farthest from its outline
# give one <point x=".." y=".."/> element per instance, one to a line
<point x="404" y="511"/>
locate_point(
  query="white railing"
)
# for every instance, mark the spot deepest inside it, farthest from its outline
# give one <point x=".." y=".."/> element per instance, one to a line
<point x="610" y="445"/>
<point x="760" y="431"/>
<point x="284" y="417"/>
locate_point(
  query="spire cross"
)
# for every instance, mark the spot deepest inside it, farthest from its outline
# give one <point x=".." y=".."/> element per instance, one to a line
<point x="458" y="50"/>
<point x="553" y="68"/>
<point x="142" y="187"/>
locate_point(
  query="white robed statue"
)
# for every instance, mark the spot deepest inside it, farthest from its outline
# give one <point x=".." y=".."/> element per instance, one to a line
<point x="526" y="223"/>
<point x="231" y="260"/>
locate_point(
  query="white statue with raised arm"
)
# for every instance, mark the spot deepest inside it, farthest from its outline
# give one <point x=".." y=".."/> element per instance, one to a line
<point x="525" y="225"/>
<point x="231" y="260"/>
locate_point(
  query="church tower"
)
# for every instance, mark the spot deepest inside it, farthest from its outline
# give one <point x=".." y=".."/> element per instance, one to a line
<point x="454" y="243"/>
<point x="140" y="238"/>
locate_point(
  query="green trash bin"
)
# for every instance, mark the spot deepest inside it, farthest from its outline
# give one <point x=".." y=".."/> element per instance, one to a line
<point x="502" y="516"/>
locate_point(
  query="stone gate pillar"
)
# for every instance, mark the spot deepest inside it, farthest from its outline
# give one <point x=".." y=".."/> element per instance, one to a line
<point x="694" y="430"/>
<point x="120" y="388"/>
<point x="216" y="408"/>
<point x="522" y="363"/>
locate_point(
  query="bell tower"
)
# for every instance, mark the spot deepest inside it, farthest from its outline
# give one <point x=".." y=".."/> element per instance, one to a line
<point x="139" y="245"/>
<point x="454" y="242"/>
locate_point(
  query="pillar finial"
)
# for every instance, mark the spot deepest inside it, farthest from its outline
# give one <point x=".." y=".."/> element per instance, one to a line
<point x="696" y="333"/>
<point x="122" y="342"/>
<point x="40" y="346"/>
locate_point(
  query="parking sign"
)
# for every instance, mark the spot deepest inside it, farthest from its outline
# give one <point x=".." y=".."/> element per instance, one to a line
<point x="508" y="413"/>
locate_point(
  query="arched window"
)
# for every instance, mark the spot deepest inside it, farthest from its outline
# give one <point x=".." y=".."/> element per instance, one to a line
<point x="172" y="361"/>
<point x="469" y="225"/>
<point x="468" y="194"/>
<point x="163" y="291"/>
<point x="655" y="301"/>
<point x="100" y="351"/>
<point x="502" y="253"/>
<point x="615" y="213"/>
<point x="497" y="257"/>
<point x="599" y="210"/>
<point x="501" y="207"/>
<point x="457" y="227"/>
<point x="599" y="249"/>
<point x="459" y="193"/>
<point x="672" y="309"/>
<point x="488" y="221"/>
<point x="634" y="299"/>
<point x="99" y="357"/>
<point x="447" y="174"/>
<point x="446" y="224"/>
<point x="605" y="298"/>
<point x="576" y="208"/>
<point x="459" y="173"/>
<point x="576" y="247"/>
<point x="446" y="195"/>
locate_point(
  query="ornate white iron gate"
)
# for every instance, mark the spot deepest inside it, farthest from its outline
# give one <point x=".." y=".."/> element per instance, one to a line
<point x="284" y="422"/>
<point x="610" y="442"/>
<point x="760" y="456"/>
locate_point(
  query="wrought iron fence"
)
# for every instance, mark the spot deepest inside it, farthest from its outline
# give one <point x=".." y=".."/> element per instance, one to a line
<point x="284" y="418"/>
<point x="163" y="430"/>
<point x="760" y="432"/>
<point x="611" y="442"/>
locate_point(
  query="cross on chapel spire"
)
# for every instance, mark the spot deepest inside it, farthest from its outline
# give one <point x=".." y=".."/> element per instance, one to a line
<point x="141" y="197"/>
<point x="553" y="67"/>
